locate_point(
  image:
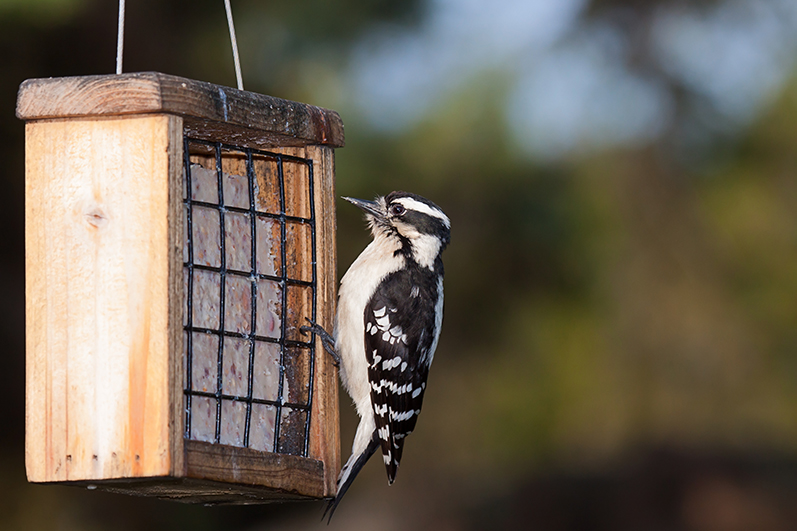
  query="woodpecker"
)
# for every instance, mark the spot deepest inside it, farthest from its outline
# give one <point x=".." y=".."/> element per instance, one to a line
<point x="389" y="316"/>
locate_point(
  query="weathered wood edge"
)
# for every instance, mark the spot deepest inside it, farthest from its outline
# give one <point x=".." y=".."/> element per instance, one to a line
<point x="188" y="490"/>
<point x="325" y="426"/>
<point x="176" y="296"/>
<point x="153" y="92"/>
<point x="292" y="474"/>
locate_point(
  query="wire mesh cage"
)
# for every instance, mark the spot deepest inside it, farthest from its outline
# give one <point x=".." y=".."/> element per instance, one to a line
<point x="250" y="284"/>
<point x="179" y="235"/>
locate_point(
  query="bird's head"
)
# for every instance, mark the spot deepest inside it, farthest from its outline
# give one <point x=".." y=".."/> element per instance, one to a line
<point x="417" y="222"/>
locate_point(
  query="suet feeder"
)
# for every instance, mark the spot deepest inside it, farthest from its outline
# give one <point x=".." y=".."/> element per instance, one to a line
<point x="178" y="235"/>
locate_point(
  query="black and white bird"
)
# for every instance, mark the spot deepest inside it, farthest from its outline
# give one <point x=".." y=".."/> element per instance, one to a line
<point x="390" y="312"/>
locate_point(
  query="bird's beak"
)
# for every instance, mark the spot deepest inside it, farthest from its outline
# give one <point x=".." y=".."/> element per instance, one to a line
<point x="369" y="207"/>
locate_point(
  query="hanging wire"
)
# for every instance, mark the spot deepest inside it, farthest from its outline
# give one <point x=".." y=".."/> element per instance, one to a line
<point x="120" y="41"/>
<point x="234" y="42"/>
<point x="120" y="37"/>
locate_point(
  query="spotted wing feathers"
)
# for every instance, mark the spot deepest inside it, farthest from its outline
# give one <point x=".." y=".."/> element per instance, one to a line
<point x="397" y="346"/>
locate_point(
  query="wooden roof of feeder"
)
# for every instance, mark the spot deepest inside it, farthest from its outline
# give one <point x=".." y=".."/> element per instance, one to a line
<point x="209" y="110"/>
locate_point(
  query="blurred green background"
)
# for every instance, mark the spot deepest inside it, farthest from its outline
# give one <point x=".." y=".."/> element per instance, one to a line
<point x="620" y="340"/>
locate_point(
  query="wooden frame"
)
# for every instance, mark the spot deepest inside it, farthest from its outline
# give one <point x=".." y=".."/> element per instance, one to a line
<point x="104" y="282"/>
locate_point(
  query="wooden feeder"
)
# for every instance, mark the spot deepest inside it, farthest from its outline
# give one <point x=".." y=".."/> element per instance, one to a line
<point x="178" y="233"/>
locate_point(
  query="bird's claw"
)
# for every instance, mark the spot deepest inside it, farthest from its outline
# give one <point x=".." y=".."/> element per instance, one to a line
<point x="326" y="339"/>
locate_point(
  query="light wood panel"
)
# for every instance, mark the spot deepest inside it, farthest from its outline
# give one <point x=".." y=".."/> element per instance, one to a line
<point x="100" y="264"/>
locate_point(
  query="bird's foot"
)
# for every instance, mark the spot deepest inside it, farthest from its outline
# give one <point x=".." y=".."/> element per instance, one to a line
<point x="326" y="339"/>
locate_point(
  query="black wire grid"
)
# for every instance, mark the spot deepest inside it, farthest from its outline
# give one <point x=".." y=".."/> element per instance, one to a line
<point x="291" y="407"/>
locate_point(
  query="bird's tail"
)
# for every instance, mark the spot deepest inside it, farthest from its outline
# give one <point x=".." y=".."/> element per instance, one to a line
<point x="349" y="472"/>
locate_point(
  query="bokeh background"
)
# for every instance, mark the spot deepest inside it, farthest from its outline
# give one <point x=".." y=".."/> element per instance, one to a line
<point x="620" y="341"/>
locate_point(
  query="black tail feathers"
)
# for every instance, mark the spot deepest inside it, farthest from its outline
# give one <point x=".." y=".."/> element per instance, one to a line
<point x="348" y="478"/>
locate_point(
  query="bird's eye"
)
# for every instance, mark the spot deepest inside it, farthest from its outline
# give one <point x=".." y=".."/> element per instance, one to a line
<point x="397" y="210"/>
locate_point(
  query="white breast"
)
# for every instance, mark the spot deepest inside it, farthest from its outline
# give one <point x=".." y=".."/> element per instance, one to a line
<point x="358" y="284"/>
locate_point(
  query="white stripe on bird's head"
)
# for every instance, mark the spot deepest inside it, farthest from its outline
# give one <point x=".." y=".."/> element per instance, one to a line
<point x="418" y="206"/>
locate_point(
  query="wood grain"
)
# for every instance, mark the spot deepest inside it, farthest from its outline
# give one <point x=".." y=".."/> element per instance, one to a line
<point x="176" y="241"/>
<point x="104" y="251"/>
<point x="265" y="120"/>
<point x="324" y="443"/>
<point x="325" y="429"/>
<point x="189" y="490"/>
<point x="228" y="464"/>
<point x="99" y="277"/>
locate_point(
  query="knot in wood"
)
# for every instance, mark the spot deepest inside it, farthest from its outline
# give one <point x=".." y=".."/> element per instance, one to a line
<point x="96" y="216"/>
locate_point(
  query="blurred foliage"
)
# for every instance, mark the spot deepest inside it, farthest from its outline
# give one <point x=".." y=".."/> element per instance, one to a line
<point x="607" y="303"/>
<point x="40" y="12"/>
<point x="615" y="301"/>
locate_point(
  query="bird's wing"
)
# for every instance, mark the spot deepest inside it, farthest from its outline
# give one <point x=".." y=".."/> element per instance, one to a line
<point x="399" y="333"/>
